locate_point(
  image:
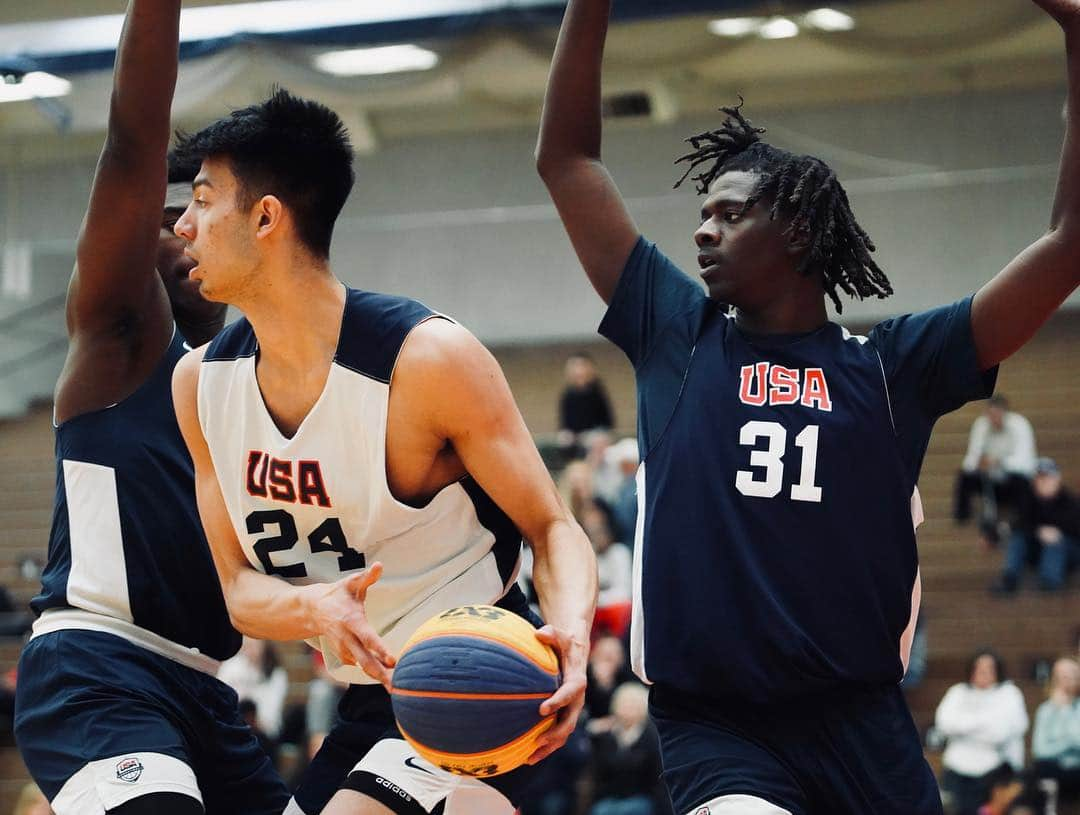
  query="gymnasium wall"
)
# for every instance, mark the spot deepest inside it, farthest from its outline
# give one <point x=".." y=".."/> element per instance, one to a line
<point x="949" y="187"/>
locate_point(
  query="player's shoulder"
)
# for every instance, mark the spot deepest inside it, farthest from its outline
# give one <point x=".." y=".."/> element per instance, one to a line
<point x="374" y="329"/>
<point x="235" y="341"/>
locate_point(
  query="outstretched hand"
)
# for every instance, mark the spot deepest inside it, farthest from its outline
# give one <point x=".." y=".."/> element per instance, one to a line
<point x="343" y="623"/>
<point x="567" y="702"/>
<point x="1064" y="11"/>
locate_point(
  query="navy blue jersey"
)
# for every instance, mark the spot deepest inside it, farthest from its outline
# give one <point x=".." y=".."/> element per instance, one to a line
<point x="776" y="553"/>
<point x="127" y="545"/>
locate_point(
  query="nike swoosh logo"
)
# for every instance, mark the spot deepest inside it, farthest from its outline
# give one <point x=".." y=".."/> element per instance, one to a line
<point x="188" y="347"/>
<point x="410" y="762"/>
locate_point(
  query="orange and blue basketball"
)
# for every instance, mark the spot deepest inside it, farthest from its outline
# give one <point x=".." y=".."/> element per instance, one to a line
<point x="467" y="690"/>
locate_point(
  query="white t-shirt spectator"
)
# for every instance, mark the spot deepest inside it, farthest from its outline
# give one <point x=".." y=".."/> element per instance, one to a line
<point x="267" y="692"/>
<point x="1013" y="447"/>
<point x="614" y="571"/>
<point x="984" y="726"/>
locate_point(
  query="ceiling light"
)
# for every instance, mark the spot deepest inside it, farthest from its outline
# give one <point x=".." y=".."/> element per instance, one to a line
<point x="34" y="85"/>
<point x="829" y="19"/>
<point x="388" y="59"/>
<point x="778" y="28"/>
<point x="736" y="26"/>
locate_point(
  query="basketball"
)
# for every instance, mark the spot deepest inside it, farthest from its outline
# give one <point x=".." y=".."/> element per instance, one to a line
<point x="467" y="690"/>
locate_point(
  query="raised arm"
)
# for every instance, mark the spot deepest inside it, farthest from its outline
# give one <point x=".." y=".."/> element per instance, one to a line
<point x="456" y="388"/>
<point x="1009" y="309"/>
<point x="118" y="314"/>
<point x="568" y="151"/>
<point x="260" y="605"/>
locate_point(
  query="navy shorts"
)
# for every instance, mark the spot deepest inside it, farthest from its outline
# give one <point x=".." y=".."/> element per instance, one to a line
<point x="391" y="771"/>
<point x="851" y="753"/>
<point x="100" y="721"/>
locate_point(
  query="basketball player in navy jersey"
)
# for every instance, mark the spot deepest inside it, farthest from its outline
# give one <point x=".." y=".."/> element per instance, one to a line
<point x="777" y="575"/>
<point x="117" y="707"/>
<point x="360" y="463"/>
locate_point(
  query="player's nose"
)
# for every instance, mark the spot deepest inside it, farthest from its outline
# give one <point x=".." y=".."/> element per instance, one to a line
<point x="185" y="226"/>
<point x="706" y="234"/>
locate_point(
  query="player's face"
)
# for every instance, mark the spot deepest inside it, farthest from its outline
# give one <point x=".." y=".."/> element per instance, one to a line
<point x="219" y="233"/>
<point x="173" y="266"/>
<point x="744" y="257"/>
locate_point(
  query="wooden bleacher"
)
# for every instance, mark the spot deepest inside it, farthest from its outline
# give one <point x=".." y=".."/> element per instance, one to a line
<point x="1043" y="382"/>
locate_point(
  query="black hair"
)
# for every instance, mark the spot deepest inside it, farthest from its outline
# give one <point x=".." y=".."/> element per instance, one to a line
<point x="183" y="168"/>
<point x="999" y="664"/>
<point x="293" y="148"/>
<point x="802" y="188"/>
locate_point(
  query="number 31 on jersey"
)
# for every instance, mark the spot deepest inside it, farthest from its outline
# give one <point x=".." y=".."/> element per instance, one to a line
<point x="771" y="460"/>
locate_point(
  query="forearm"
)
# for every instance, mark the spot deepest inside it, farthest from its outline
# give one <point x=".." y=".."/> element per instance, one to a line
<point x="145" y="77"/>
<point x="268" y="608"/>
<point x="570" y="127"/>
<point x="564" y="574"/>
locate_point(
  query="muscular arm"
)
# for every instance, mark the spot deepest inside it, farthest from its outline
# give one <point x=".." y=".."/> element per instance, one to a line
<point x="1009" y="309"/>
<point x="259" y="605"/>
<point x="568" y="150"/>
<point x="118" y="314"/>
<point x="468" y="405"/>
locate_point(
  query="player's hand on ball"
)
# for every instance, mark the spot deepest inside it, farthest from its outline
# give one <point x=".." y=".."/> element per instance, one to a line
<point x="342" y="620"/>
<point x="567" y="702"/>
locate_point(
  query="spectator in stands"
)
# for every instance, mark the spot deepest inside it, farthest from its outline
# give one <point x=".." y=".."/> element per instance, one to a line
<point x="984" y="720"/>
<point x="255" y="674"/>
<point x="555" y="784"/>
<point x="998" y="466"/>
<point x="607" y="671"/>
<point x="626" y="758"/>
<point x="1006" y="785"/>
<point x="624" y="455"/>
<point x="1047" y="532"/>
<point x="917" y="659"/>
<point x="1031" y="802"/>
<point x="584" y="405"/>
<point x="1055" y="741"/>
<point x="576" y="487"/>
<point x="324" y="693"/>
<point x="32" y="801"/>
<point x="614" y="567"/>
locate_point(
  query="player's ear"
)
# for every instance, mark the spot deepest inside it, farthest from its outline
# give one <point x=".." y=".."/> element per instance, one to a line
<point x="269" y="212"/>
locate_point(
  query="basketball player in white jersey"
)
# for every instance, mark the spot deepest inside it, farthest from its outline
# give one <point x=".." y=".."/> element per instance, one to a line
<point x="360" y="462"/>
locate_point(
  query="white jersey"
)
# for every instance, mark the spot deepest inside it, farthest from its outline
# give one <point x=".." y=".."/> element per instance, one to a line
<point x="317" y="506"/>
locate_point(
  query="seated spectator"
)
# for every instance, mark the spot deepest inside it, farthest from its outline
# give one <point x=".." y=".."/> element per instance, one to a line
<point x="623" y="502"/>
<point x="626" y="758"/>
<point x="576" y="488"/>
<point x="1031" y="802"/>
<point x="1006" y="786"/>
<point x="983" y="720"/>
<point x="607" y="671"/>
<point x="614" y="571"/>
<point x="999" y="463"/>
<point x="556" y="780"/>
<point x="1047" y="533"/>
<point x="583" y="407"/>
<point x="324" y="694"/>
<point x="1055" y="741"/>
<point x="255" y="674"/>
<point x="32" y="801"/>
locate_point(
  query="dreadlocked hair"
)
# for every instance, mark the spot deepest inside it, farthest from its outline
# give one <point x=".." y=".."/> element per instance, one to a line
<point x="801" y="188"/>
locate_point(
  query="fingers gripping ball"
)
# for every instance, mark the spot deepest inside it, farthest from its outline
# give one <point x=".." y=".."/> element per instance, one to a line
<point x="467" y="690"/>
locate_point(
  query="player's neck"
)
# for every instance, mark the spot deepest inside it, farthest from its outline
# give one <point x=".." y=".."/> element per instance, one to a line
<point x="297" y="324"/>
<point x="792" y="315"/>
